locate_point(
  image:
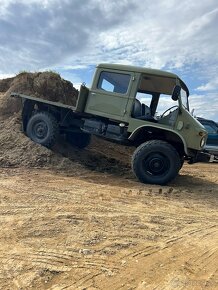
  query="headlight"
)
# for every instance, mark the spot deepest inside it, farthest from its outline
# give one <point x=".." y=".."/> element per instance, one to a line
<point x="202" y="143"/>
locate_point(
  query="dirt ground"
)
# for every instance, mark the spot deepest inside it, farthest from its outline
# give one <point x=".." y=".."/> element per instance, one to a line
<point x="78" y="219"/>
<point x="96" y="230"/>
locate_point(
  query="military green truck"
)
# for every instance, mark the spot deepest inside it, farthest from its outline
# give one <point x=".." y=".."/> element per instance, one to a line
<point x="124" y="105"/>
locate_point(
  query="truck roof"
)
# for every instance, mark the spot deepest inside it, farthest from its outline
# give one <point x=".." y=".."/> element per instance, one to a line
<point x="137" y="69"/>
<point x="150" y="71"/>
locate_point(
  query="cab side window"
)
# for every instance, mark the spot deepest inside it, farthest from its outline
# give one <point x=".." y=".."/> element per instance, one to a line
<point x="114" y="82"/>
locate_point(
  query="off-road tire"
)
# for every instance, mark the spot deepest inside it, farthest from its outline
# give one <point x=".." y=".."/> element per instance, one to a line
<point x="80" y="140"/>
<point x="156" y="162"/>
<point x="182" y="160"/>
<point x="43" y="128"/>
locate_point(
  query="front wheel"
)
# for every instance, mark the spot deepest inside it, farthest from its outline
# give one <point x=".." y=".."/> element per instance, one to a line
<point x="156" y="162"/>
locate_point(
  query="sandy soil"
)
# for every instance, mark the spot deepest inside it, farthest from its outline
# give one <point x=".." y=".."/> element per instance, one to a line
<point x="96" y="230"/>
<point x="78" y="219"/>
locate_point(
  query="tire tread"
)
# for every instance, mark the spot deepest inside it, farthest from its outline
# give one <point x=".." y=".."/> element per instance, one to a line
<point x="147" y="145"/>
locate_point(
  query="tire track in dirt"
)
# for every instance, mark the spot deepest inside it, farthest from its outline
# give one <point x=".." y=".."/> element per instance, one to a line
<point x="66" y="261"/>
<point x="75" y="234"/>
<point x="209" y="256"/>
<point x="151" y="249"/>
<point x="197" y="266"/>
<point x="205" y="263"/>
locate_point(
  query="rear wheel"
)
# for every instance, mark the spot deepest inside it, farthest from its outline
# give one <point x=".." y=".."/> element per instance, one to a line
<point x="80" y="140"/>
<point x="42" y="128"/>
<point x="156" y="162"/>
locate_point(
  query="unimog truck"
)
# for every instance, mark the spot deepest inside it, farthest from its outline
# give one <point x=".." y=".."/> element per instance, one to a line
<point x="125" y="105"/>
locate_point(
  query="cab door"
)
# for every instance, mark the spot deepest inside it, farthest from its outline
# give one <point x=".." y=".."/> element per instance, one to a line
<point x="109" y="94"/>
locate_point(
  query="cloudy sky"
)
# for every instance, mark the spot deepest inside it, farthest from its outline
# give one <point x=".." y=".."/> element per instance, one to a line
<point x="72" y="36"/>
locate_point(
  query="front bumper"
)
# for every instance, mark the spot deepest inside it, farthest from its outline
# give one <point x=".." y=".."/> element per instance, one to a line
<point x="211" y="149"/>
<point x="202" y="156"/>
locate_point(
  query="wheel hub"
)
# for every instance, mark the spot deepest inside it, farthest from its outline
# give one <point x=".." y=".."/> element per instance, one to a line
<point x="40" y="130"/>
<point x="156" y="164"/>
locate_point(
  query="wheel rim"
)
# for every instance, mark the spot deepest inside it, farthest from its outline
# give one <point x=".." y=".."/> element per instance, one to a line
<point x="40" y="130"/>
<point x="156" y="164"/>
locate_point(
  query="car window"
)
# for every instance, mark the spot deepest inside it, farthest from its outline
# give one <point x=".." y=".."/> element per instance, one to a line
<point x="165" y="102"/>
<point x="114" y="82"/>
<point x="144" y="98"/>
<point x="210" y="129"/>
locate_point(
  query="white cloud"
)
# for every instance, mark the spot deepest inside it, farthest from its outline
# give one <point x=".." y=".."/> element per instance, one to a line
<point x="205" y="105"/>
<point x="5" y="76"/>
<point x="72" y="67"/>
<point x="73" y="34"/>
<point x="199" y="24"/>
<point x="162" y="34"/>
<point x="210" y="86"/>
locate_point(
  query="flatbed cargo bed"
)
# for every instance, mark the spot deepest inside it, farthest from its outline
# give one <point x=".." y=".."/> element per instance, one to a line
<point x="40" y="100"/>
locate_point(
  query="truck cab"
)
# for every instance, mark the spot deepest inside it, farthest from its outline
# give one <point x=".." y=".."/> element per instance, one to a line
<point x="132" y="97"/>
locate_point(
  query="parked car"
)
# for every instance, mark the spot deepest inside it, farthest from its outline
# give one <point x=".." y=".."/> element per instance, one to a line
<point x="212" y="140"/>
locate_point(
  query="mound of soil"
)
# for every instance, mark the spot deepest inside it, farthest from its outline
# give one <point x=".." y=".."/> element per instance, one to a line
<point x="5" y="84"/>
<point x="17" y="150"/>
<point x="45" y="85"/>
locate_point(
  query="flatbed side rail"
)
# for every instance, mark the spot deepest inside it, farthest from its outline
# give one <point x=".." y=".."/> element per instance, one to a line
<point x="57" y="104"/>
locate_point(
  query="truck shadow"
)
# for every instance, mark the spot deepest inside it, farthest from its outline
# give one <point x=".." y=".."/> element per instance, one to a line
<point x="189" y="183"/>
<point x="96" y="159"/>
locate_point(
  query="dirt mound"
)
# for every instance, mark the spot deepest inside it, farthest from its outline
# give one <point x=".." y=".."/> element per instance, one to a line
<point x="17" y="150"/>
<point x="5" y="84"/>
<point x="45" y="85"/>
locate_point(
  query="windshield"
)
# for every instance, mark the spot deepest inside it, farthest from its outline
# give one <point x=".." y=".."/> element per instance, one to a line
<point x="184" y="99"/>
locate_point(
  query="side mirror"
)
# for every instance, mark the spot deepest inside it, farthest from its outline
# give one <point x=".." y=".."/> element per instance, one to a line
<point x="176" y="92"/>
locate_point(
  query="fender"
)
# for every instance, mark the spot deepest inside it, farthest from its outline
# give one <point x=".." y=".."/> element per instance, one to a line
<point x="149" y="128"/>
